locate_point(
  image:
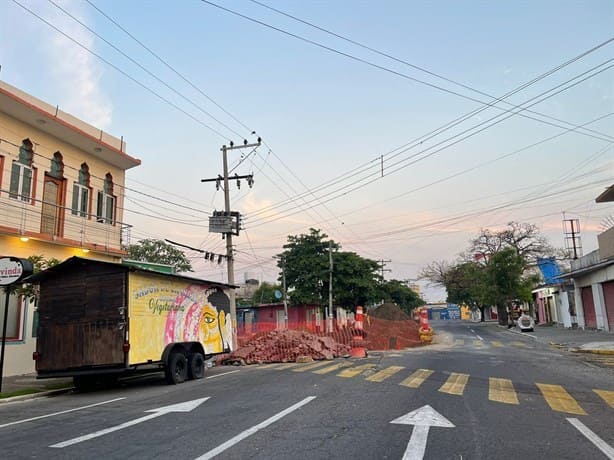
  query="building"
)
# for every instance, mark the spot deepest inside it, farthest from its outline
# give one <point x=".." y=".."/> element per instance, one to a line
<point x="593" y="278"/>
<point x="61" y="194"/>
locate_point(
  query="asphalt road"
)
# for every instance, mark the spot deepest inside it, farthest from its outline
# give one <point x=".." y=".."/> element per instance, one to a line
<point x="484" y="393"/>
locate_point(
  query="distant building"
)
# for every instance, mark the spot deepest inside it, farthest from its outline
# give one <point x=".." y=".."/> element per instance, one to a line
<point x="61" y="195"/>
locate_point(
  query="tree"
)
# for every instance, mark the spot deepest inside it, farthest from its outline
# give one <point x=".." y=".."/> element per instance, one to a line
<point x="499" y="267"/>
<point x="355" y="279"/>
<point x="39" y="263"/>
<point x="306" y="265"/>
<point x="159" y="252"/>
<point x="266" y="293"/>
<point x="306" y="259"/>
<point x="397" y="292"/>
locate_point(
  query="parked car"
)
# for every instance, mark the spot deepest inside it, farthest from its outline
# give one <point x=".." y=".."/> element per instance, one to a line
<point x="525" y="323"/>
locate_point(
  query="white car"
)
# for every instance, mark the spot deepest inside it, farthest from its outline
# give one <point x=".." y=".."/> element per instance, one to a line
<point x="525" y="323"/>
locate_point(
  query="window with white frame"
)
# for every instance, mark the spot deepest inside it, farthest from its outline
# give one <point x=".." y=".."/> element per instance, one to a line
<point x="81" y="193"/>
<point x="105" y="209"/>
<point x="21" y="182"/>
<point x="22" y="173"/>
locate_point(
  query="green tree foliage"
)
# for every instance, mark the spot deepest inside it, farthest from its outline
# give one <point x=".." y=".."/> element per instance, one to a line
<point x="39" y="263"/>
<point x="307" y="267"/>
<point x="354" y="280"/>
<point x="397" y="292"/>
<point x="498" y="268"/>
<point x="159" y="252"/>
<point x="266" y="294"/>
<point x="305" y="258"/>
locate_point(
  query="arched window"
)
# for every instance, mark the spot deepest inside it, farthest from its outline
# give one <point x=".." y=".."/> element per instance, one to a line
<point x="56" y="169"/>
<point x="105" y="208"/>
<point x="81" y="192"/>
<point x="21" y="173"/>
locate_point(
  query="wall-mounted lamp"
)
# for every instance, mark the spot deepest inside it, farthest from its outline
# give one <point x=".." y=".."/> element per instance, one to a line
<point x="85" y="250"/>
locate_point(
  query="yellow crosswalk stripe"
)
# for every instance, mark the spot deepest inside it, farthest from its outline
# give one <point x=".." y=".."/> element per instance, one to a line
<point x="496" y="343"/>
<point x="384" y="374"/>
<point x="354" y="371"/>
<point x="309" y="367"/>
<point x="559" y="400"/>
<point x="417" y="378"/>
<point x="459" y="342"/>
<point x="607" y="396"/>
<point x="455" y="385"/>
<point x="334" y="367"/>
<point x="478" y="343"/>
<point x="502" y="390"/>
<point x="281" y="367"/>
<point x="519" y="344"/>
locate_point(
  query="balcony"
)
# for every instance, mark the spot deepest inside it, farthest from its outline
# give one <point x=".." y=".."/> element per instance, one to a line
<point x="59" y="225"/>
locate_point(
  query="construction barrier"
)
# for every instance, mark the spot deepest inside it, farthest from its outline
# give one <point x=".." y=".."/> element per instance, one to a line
<point x="268" y="342"/>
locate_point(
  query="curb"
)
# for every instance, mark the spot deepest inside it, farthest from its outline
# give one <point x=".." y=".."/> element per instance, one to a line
<point x="40" y="394"/>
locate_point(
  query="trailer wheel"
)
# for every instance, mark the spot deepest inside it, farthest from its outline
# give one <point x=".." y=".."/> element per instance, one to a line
<point x="84" y="383"/>
<point x="176" y="369"/>
<point x="196" y="366"/>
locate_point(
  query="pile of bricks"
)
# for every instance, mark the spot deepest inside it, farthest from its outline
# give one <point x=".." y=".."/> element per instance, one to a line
<point x="287" y="346"/>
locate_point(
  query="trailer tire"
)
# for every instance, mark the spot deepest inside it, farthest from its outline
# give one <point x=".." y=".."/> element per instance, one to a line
<point x="84" y="383"/>
<point x="196" y="366"/>
<point x="176" y="369"/>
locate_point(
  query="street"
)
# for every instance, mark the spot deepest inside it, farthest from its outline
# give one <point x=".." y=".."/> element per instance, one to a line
<point x="482" y="392"/>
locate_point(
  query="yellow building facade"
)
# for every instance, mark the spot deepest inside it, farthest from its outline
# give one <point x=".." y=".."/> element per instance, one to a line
<point x="61" y="194"/>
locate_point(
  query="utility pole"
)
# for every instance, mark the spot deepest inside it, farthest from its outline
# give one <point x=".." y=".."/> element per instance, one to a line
<point x="227" y="224"/>
<point x="283" y="280"/>
<point x="329" y="323"/>
<point x="383" y="263"/>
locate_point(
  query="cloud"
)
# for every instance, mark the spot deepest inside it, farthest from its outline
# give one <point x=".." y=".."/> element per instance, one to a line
<point x="76" y="72"/>
<point x="69" y="75"/>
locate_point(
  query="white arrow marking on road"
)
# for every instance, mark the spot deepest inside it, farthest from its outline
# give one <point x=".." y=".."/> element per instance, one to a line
<point x="422" y="419"/>
<point x="592" y="437"/>
<point x="181" y="407"/>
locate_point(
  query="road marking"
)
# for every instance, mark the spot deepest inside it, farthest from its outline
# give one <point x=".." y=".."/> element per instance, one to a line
<point x="59" y="413"/>
<point x="353" y="372"/>
<point x="422" y="419"/>
<point x="219" y="375"/>
<point x="478" y="343"/>
<point x="592" y="437"/>
<point x="502" y="390"/>
<point x="496" y="343"/>
<point x="459" y="342"/>
<point x="181" y="407"/>
<point x="384" y="374"/>
<point x="455" y="385"/>
<point x="479" y="337"/>
<point x="332" y="368"/>
<point x="519" y="344"/>
<point x="311" y="366"/>
<point x="559" y="400"/>
<point x="284" y="366"/>
<point x="241" y="436"/>
<point x="417" y="378"/>
<point x="607" y="396"/>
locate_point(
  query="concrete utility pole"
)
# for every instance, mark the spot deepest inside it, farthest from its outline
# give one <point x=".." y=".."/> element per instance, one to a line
<point x="228" y="233"/>
<point x="329" y="323"/>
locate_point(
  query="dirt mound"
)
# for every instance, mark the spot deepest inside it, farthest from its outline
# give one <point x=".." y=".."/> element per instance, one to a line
<point x="389" y="311"/>
<point x="383" y="334"/>
<point x="286" y="346"/>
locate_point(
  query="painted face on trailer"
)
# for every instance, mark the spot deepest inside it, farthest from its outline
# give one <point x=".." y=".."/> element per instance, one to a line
<point x="211" y="324"/>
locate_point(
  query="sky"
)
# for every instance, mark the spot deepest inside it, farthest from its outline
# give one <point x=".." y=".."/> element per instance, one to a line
<point x="399" y="129"/>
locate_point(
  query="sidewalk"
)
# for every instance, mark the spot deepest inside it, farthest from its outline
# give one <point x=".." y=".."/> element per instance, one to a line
<point x="577" y="340"/>
<point x="21" y="387"/>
